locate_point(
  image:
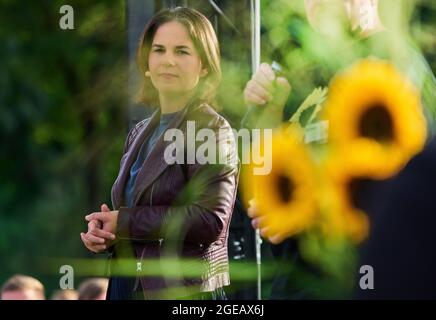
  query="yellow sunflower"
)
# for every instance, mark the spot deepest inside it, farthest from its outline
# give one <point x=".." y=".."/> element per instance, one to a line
<point x="375" y="118"/>
<point x="286" y="196"/>
<point x="339" y="216"/>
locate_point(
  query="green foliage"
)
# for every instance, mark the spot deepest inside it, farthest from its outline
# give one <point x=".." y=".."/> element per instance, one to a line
<point x="62" y="125"/>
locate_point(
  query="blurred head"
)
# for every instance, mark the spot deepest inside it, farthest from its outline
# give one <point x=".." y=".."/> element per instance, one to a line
<point x="20" y="287"/>
<point x="93" y="289"/>
<point x="66" y="294"/>
<point x="361" y="14"/>
<point x="179" y="54"/>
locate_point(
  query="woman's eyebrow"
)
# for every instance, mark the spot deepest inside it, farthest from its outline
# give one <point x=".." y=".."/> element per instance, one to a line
<point x="183" y="47"/>
<point x="177" y="47"/>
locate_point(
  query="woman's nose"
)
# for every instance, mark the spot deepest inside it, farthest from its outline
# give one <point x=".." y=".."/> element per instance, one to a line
<point x="169" y="59"/>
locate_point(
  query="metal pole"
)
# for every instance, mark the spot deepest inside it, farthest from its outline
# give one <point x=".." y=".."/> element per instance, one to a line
<point x="255" y="62"/>
<point x="255" y="32"/>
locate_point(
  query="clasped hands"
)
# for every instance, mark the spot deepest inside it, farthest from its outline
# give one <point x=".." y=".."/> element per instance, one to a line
<point x="101" y="229"/>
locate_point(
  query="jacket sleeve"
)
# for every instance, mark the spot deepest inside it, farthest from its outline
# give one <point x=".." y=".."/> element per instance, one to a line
<point x="201" y="211"/>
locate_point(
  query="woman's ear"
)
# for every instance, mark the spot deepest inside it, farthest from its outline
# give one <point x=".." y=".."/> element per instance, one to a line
<point x="203" y="72"/>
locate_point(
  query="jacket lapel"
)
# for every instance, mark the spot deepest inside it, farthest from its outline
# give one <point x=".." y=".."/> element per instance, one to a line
<point x="132" y="153"/>
<point x="155" y="163"/>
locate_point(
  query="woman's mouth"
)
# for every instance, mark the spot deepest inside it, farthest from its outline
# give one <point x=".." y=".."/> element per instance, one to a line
<point x="168" y="75"/>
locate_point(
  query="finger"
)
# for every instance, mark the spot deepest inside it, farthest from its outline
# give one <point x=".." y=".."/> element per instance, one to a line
<point x="82" y="236"/>
<point x="253" y="98"/>
<point x="258" y="89"/>
<point x="103" y="234"/>
<point x="85" y="241"/>
<point x="260" y="82"/>
<point x="267" y="71"/>
<point x="261" y="221"/>
<point x="94" y="224"/>
<point x="276" y="239"/>
<point x="263" y="91"/>
<point x="283" y="83"/>
<point x="283" y="90"/>
<point x="252" y="212"/>
<point x="90" y="217"/>
<point x="105" y="208"/>
<point x="255" y="223"/>
<point x="266" y="232"/>
<point x="95" y="216"/>
<point x="94" y="239"/>
<point x="93" y="247"/>
<point x="98" y="248"/>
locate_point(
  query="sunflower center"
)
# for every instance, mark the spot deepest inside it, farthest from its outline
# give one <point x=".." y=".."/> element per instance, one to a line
<point x="376" y="123"/>
<point x="285" y="188"/>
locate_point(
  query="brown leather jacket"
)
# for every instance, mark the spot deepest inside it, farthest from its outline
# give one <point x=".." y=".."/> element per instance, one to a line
<point x="180" y="211"/>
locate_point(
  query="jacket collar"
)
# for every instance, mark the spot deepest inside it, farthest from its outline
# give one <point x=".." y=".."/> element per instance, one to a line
<point x="155" y="163"/>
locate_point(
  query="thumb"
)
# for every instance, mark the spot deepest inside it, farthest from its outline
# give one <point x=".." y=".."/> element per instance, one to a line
<point x="104" y="208"/>
<point x="284" y="88"/>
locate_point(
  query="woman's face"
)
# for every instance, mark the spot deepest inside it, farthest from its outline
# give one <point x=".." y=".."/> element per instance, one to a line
<point x="326" y="16"/>
<point x="354" y="11"/>
<point x="174" y="63"/>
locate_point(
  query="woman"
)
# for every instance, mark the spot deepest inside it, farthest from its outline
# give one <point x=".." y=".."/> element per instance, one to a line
<point x="164" y="209"/>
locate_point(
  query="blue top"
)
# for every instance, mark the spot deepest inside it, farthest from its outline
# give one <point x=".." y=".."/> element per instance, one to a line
<point x="146" y="148"/>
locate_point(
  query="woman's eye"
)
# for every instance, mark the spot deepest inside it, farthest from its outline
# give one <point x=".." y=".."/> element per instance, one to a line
<point x="182" y="52"/>
<point x="158" y="50"/>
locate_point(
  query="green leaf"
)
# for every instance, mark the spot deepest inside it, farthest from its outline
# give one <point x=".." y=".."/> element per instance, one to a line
<point x="315" y="98"/>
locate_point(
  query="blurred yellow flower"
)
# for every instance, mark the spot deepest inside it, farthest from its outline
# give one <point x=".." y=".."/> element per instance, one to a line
<point x="340" y="217"/>
<point x="286" y="196"/>
<point x="375" y="119"/>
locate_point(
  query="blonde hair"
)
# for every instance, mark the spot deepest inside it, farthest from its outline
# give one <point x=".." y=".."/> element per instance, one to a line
<point x="21" y="282"/>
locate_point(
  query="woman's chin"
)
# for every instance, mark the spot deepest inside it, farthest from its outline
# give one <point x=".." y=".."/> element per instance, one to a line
<point x="170" y="91"/>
